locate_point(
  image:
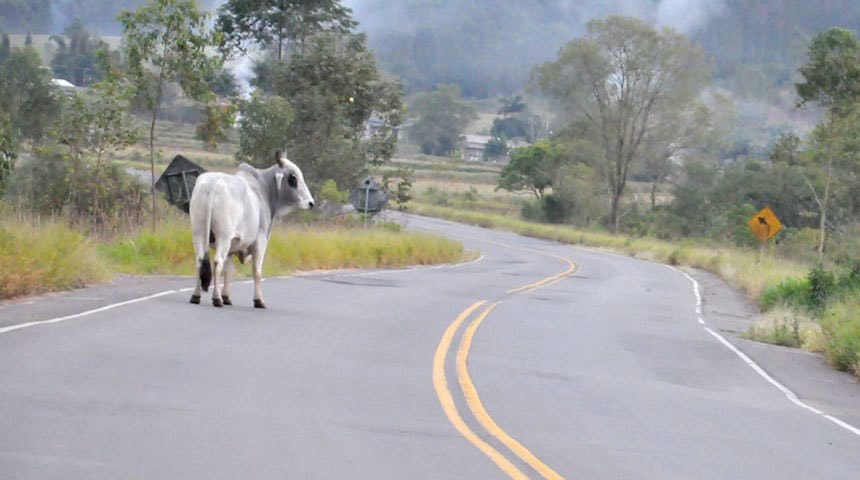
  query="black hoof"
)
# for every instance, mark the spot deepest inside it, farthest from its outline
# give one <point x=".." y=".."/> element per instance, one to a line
<point x="195" y="299"/>
<point x="226" y="300"/>
<point x="259" y="303"/>
<point x="217" y="302"/>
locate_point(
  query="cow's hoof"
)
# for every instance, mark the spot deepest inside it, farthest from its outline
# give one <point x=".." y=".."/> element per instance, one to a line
<point x="195" y="299"/>
<point x="217" y="302"/>
<point x="259" y="303"/>
<point x="226" y="300"/>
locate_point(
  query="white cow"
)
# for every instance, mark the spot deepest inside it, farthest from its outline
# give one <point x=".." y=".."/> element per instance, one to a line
<point x="234" y="214"/>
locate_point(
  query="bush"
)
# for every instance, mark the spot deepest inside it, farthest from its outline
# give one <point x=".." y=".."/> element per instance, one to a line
<point x="50" y="184"/>
<point x="556" y="209"/>
<point x="533" y="211"/>
<point x="792" y="292"/>
<point x="821" y="286"/>
<point x="842" y="326"/>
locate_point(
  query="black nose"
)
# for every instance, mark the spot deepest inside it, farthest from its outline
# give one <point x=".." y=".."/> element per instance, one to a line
<point x="310" y="204"/>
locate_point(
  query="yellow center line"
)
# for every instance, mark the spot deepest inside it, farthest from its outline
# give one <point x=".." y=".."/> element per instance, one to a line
<point x="548" y="280"/>
<point x="470" y="393"/>
<point x="477" y="407"/>
<point x="447" y="400"/>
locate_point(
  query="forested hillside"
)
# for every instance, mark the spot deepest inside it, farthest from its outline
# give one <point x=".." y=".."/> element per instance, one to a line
<point x="488" y="47"/>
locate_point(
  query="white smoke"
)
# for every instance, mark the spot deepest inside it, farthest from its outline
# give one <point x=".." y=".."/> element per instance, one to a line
<point x="243" y="68"/>
<point x="686" y="16"/>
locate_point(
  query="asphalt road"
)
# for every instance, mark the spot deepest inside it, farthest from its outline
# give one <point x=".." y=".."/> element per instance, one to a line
<point x="536" y="361"/>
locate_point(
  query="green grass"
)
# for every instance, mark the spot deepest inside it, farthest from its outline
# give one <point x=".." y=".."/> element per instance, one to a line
<point x="841" y="324"/>
<point x="39" y="258"/>
<point x="170" y="251"/>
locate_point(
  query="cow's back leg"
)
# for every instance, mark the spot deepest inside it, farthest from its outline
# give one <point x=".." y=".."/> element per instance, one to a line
<point x="221" y="249"/>
<point x="258" y="254"/>
<point x="195" y="296"/>
<point x="229" y="269"/>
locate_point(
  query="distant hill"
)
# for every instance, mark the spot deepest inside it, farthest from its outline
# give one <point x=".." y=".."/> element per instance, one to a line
<point x="489" y="46"/>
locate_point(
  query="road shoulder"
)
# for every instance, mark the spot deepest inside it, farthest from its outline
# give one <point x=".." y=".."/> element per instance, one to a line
<point x="807" y="374"/>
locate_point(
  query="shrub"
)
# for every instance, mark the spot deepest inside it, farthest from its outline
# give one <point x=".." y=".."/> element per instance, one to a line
<point x="793" y="292"/>
<point x="821" y="286"/>
<point x="841" y="324"/>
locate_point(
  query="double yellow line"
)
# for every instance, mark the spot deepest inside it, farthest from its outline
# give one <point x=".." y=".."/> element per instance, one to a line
<point x="470" y="393"/>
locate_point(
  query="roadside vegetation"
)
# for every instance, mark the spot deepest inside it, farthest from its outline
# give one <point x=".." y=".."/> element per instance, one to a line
<point x="291" y="248"/>
<point x="38" y="257"/>
<point x="46" y="257"/>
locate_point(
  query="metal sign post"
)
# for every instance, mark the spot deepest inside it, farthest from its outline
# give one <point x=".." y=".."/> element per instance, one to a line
<point x="366" y="200"/>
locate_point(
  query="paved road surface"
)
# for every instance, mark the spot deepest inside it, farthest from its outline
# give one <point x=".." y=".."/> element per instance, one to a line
<point x="577" y="364"/>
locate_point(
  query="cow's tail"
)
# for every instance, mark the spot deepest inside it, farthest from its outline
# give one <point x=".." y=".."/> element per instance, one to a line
<point x="205" y="268"/>
<point x="205" y="272"/>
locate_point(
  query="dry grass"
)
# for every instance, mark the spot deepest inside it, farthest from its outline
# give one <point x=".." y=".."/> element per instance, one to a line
<point x="170" y="251"/>
<point x="790" y="328"/>
<point x="42" y="257"/>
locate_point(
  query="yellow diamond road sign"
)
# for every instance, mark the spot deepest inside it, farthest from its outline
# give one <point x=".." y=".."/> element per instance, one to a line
<point x="764" y="224"/>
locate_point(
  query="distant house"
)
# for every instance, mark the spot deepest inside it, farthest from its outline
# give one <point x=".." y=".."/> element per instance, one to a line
<point x="473" y="147"/>
<point x="375" y="124"/>
<point x="66" y="86"/>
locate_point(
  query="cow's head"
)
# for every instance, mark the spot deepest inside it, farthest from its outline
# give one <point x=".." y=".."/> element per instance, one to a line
<point x="290" y="186"/>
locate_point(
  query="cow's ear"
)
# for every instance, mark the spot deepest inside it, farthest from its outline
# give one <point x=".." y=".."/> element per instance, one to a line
<point x="279" y="177"/>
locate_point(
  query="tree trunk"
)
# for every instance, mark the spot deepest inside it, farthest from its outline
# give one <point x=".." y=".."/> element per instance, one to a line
<point x="156" y="103"/>
<point x="152" y="161"/>
<point x="653" y="194"/>
<point x="822" y="226"/>
<point x="96" y="189"/>
<point x="614" y="217"/>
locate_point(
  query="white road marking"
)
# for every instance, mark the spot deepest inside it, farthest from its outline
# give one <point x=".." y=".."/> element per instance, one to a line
<point x="12" y="328"/>
<point x="755" y="366"/>
<point x="20" y="326"/>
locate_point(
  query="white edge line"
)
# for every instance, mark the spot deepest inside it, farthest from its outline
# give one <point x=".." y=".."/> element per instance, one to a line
<point x="20" y="326"/>
<point x="755" y="366"/>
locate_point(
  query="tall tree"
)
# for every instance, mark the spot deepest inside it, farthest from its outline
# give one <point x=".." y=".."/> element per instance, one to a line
<point x="334" y="88"/>
<point x="278" y="24"/>
<point x="5" y="47"/>
<point x="442" y="116"/>
<point x="171" y="37"/>
<point x="8" y="151"/>
<point x="531" y="169"/>
<point x="620" y="76"/>
<point x="832" y="80"/>
<point x="97" y="121"/>
<point x="263" y="128"/>
<point x="76" y="59"/>
<point x="26" y="93"/>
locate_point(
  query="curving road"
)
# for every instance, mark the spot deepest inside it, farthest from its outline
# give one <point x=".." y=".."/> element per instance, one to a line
<point x="536" y="361"/>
